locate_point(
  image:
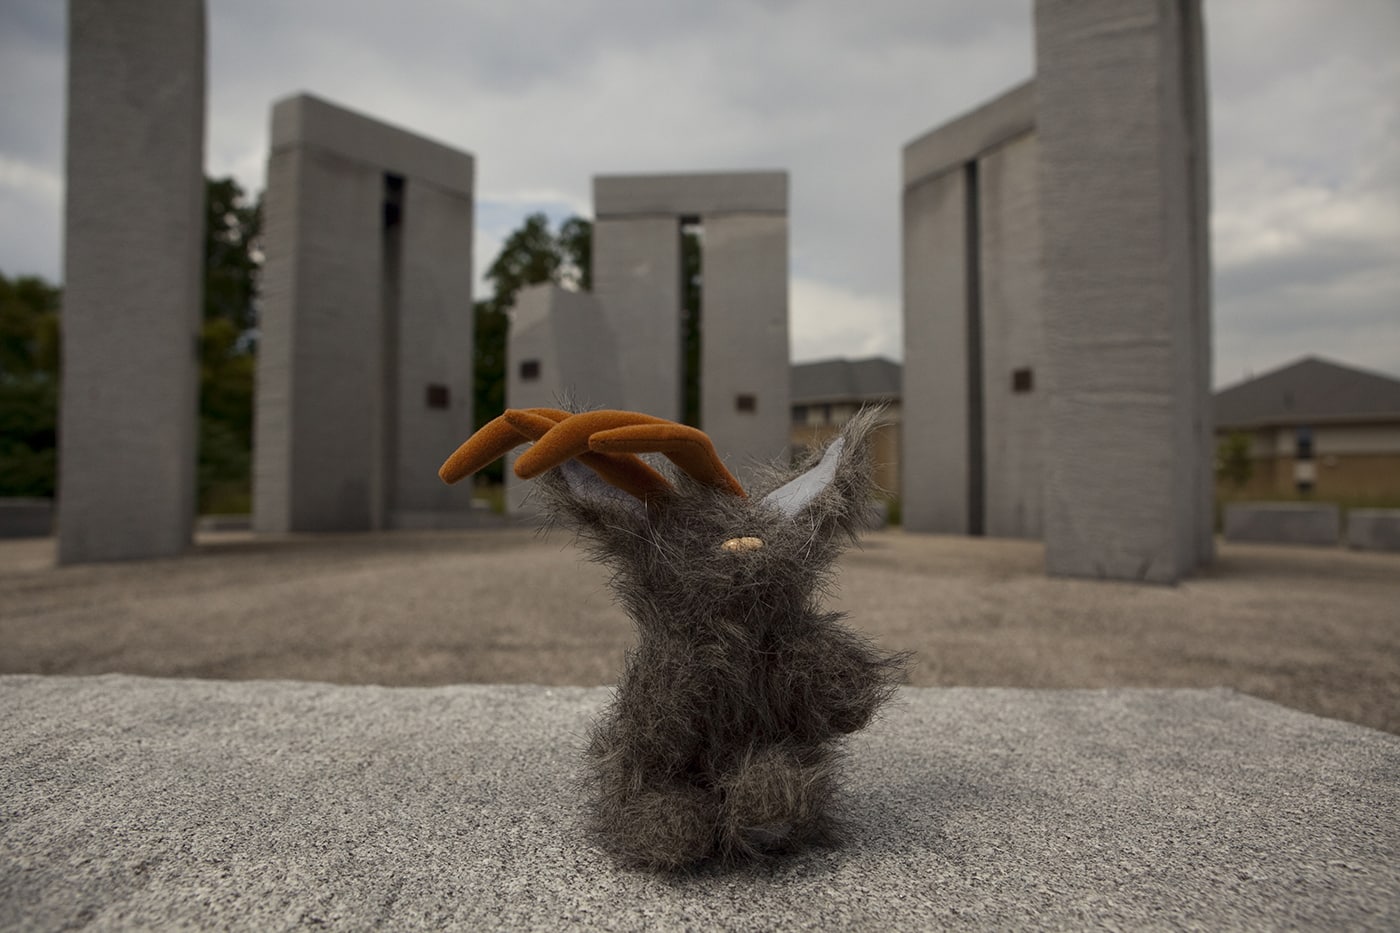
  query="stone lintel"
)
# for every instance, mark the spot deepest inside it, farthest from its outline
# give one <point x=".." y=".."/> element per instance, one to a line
<point x="969" y="136"/>
<point x="306" y="120"/>
<point x="691" y="194"/>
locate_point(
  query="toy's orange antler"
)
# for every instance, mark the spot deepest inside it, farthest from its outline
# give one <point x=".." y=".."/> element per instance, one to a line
<point x="510" y="430"/>
<point x="605" y="441"/>
<point x="626" y="433"/>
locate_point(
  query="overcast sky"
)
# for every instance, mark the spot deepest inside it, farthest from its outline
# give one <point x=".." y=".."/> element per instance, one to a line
<point x="1305" y="124"/>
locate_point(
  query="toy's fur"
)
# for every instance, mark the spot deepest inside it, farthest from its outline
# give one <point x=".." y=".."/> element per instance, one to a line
<point x="724" y="734"/>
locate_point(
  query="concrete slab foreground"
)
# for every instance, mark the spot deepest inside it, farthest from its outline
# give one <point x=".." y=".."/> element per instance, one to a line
<point x="135" y="802"/>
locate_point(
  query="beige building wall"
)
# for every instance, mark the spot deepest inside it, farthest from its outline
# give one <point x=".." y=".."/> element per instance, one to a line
<point x="821" y="423"/>
<point x="1352" y="462"/>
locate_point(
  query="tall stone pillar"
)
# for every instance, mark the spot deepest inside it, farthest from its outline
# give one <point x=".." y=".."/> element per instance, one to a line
<point x="365" y="361"/>
<point x="744" y="368"/>
<point x="972" y="420"/>
<point x="744" y="384"/>
<point x="637" y="274"/>
<point x="133" y="269"/>
<point x="1121" y="119"/>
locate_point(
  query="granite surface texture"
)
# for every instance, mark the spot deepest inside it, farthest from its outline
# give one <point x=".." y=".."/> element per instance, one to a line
<point x="149" y="803"/>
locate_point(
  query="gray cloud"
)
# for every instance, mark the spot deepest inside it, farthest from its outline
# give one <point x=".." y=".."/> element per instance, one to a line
<point x="1305" y="124"/>
<point x="32" y="79"/>
<point x="1306" y="147"/>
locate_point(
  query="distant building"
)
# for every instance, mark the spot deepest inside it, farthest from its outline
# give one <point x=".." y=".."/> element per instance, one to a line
<point x="827" y="393"/>
<point x="1318" y="427"/>
<point x="1332" y="427"/>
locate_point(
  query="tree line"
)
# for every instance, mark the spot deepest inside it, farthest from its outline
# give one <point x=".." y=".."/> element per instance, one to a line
<point x="31" y="347"/>
<point x="31" y="362"/>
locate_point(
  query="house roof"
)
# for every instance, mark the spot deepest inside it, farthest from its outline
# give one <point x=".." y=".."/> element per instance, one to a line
<point x="1308" y="391"/>
<point x="868" y="380"/>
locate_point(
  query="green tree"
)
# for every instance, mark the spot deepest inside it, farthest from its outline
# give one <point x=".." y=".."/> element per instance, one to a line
<point x="576" y="243"/>
<point x="226" y="370"/>
<point x="29" y="360"/>
<point x="233" y="224"/>
<point x="531" y="255"/>
<point x="1233" y="464"/>
<point x="28" y="326"/>
<point x="492" y="328"/>
<point x="30" y="356"/>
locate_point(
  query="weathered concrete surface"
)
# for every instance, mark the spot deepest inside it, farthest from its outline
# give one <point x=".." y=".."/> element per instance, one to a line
<point x="971" y="135"/>
<point x="1373" y="529"/>
<point x="934" y="449"/>
<point x="566" y="336"/>
<point x="744" y="315"/>
<point x="1121" y="120"/>
<point x="1311" y="523"/>
<point x="133" y="274"/>
<point x="433" y="350"/>
<point x="637" y="278"/>
<point x="691" y="193"/>
<point x="1013" y="338"/>
<point x="364" y="364"/>
<point x="972" y="444"/>
<point x="560" y="349"/>
<point x="272" y="805"/>
<point x="744" y="339"/>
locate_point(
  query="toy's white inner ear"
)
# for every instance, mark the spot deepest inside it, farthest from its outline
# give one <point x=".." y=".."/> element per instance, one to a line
<point x="586" y="484"/>
<point x="739" y="545"/>
<point x="793" y="496"/>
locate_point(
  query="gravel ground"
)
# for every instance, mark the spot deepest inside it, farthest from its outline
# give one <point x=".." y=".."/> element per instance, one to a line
<point x="1317" y="630"/>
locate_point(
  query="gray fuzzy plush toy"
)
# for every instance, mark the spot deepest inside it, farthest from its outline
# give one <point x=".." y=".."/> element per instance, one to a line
<point x="723" y="737"/>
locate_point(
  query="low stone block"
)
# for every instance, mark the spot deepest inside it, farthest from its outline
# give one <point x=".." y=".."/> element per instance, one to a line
<point x="1313" y="523"/>
<point x="159" y="804"/>
<point x="26" y="518"/>
<point x="1373" y="529"/>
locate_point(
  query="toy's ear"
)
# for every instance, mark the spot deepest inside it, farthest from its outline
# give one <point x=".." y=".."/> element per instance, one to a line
<point x="837" y="489"/>
<point x="590" y="490"/>
<point x="796" y="494"/>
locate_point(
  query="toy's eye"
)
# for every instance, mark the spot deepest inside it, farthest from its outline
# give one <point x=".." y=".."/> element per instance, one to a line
<point x="742" y="544"/>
